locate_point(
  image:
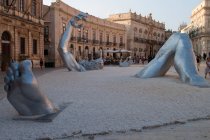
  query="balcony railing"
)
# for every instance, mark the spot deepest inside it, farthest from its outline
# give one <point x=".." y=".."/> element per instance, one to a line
<point x="148" y="41"/>
<point x="196" y="33"/>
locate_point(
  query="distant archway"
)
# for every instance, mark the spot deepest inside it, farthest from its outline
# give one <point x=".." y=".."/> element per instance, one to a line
<point x="5" y="51"/>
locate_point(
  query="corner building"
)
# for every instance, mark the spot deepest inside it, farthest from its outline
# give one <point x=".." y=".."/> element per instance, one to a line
<point x="199" y="28"/>
<point x="21" y="30"/>
<point x="145" y="36"/>
<point x="95" y="36"/>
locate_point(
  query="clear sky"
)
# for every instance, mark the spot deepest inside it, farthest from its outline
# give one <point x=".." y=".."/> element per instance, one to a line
<point x="171" y="12"/>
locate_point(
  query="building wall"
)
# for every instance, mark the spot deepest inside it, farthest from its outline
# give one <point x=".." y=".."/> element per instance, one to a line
<point x="199" y="28"/>
<point x="19" y="23"/>
<point x="85" y="40"/>
<point x="145" y="36"/>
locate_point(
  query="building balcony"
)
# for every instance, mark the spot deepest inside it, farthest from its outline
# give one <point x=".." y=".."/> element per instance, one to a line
<point x="114" y="44"/>
<point x="11" y="11"/>
<point x="73" y="39"/>
<point x="95" y="42"/>
<point x="122" y="45"/>
<point x="195" y="34"/>
<point x="148" y="41"/>
<point x="108" y="43"/>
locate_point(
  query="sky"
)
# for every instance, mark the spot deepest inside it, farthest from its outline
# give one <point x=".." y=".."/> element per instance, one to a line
<point x="171" y="12"/>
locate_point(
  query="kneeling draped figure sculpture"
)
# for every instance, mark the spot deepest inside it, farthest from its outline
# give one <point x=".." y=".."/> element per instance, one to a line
<point x="178" y="51"/>
<point x="67" y="56"/>
<point x="23" y="91"/>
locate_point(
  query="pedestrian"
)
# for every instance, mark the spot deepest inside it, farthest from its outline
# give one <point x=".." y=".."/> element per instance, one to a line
<point x="198" y="59"/>
<point x="204" y="56"/>
<point x="32" y="63"/>
<point x="41" y="63"/>
<point x="207" y="70"/>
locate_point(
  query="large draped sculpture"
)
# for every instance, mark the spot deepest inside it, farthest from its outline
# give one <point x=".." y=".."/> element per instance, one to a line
<point x="176" y="51"/>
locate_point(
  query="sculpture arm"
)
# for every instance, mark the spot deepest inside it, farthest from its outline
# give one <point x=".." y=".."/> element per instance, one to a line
<point x="73" y="22"/>
<point x="66" y="56"/>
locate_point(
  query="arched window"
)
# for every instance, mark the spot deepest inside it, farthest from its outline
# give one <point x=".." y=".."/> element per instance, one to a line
<point x="145" y="32"/>
<point x="5" y="36"/>
<point x="33" y="8"/>
<point x="154" y="34"/>
<point x="140" y="30"/>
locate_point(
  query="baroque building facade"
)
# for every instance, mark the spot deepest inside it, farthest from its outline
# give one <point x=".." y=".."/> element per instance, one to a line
<point x="199" y="28"/>
<point x="96" y="35"/>
<point x="145" y="36"/>
<point x="21" y="30"/>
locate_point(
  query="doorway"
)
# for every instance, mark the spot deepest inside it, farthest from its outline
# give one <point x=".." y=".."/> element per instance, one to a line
<point x="5" y="51"/>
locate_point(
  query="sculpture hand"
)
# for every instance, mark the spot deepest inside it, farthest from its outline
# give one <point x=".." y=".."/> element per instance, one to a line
<point x="23" y="92"/>
<point x="74" y="21"/>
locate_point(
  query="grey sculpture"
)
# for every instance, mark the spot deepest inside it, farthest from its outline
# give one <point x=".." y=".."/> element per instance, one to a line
<point x="67" y="57"/>
<point x="178" y="51"/>
<point x="92" y="64"/>
<point x="126" y="63"/>
<point x="23" y="91"/>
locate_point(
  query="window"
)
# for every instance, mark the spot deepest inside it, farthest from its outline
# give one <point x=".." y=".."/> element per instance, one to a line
<point x="46" y="33"/>
<point x="121" y="40"/>
<point x="21" y="5"/>
<point x="46" y="30"/>
<point x="6" y="2"/>
<point x="94" y="35"/>
<point x="79" y="33"/>
<point x="107" y="38"/>
<point x="33" y="8"/>
<point x="86" y="34"/>
<point x="208" y="23"/>
<point x="114" y="39"/>
<point x="208" y="44"/>
<point x="34" y="46"/>
<point x="140" y="30"/>
<point x="45" y="52"/>
<point x="22" y="45"/>
<point x="80" y="51"/>
<point x="101" y="37"/>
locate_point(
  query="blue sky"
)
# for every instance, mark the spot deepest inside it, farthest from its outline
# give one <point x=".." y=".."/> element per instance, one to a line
<point x="171" y="12"/>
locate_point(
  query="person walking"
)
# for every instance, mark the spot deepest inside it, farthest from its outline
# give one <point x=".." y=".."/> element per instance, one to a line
<point x="198" y="59"/>
<point x="207" y="70"/>
<point x="41" y="63"/>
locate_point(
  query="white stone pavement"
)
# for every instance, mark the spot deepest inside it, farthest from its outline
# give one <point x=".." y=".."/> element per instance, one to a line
<point x="108" y="100"/>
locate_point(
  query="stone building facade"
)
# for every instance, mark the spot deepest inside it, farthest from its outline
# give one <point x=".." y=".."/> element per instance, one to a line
<point x="95" y="36"/>
<point x="199" y="28"/>
<point x="21" y="30"/>
<point x="145" y="36"/>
